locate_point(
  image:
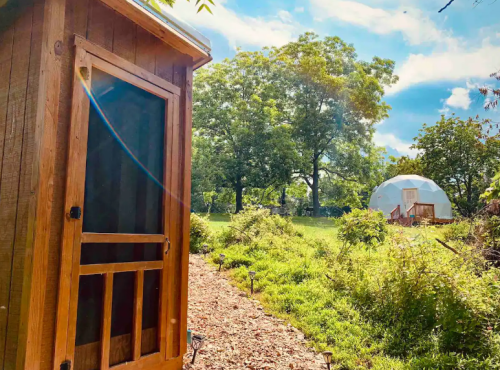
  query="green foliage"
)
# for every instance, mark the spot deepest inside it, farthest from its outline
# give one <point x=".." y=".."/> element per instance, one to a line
<point x="239" y="125"/>
<point x="201" y="4"/>
<point x="403" y="166"/>
<point x="458" y="155"/>
<point x="409" y="304"/>
<point x="458" y="231"/>
<point x="199" y="233"/>
<point x="331" y="101"/>
<point x="362" y="227"/>
<point x="493" y="192"/>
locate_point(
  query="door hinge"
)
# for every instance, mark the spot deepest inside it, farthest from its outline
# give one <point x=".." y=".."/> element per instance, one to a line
<point x="66" y="365"/>
<point x="75" y="213"/>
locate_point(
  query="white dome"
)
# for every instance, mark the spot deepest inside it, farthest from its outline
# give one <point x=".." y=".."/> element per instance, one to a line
<point x="404" y="190"/>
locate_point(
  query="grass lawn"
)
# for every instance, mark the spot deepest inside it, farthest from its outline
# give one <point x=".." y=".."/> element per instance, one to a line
<point x="400" y="305"/>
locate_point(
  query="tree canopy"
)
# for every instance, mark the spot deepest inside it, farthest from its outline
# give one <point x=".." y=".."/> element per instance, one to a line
<point x="331" y="101"/>
<point x="460" y="156"/>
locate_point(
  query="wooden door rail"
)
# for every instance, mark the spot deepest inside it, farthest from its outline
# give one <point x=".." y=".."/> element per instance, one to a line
<point x="120" y="267"/>
<point x="122" y="238"/>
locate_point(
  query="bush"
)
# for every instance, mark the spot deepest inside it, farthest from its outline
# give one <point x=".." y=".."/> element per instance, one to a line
<point x="458" y="231"/>
<point x="199" y="233"/>
<point x="363" y="227"/>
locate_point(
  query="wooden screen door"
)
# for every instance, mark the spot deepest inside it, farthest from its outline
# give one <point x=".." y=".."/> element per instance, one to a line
<point x="410" y="197"/>
<point x="112" y="305"/>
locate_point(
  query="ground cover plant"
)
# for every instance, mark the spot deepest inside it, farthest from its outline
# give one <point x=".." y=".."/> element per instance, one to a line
<point x="404" y="302"/>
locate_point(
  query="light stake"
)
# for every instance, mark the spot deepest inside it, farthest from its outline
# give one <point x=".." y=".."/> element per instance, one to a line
<point x="252" y="276"/>
<point x="221" y="260"/>
<point x="205" y="250"/>
<point x="196" y="343"/>
<point x="327" y="356"/>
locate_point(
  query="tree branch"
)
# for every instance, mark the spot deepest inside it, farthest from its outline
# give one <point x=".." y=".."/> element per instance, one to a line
<point x="447" y="5"/>
<point x="447" y="246"/>
<point x="338" y="174"/>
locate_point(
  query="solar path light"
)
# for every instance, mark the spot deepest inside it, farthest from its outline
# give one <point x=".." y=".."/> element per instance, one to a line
<point x="196" y="343"/>
<point x="221" y="260"/>
<point x="252" y="276"/>
<point x="205" y="250"/>
<point x="327" y="356"/>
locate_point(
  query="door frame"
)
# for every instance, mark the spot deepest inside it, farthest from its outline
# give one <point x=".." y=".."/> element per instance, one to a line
<point x="403" y="198"/>
<point x="88" y="56"/>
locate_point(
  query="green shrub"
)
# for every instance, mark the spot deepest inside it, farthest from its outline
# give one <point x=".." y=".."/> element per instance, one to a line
<point x="457" y="231"/>
<point x="362" y="227"/>
<point x="199" y="233"/>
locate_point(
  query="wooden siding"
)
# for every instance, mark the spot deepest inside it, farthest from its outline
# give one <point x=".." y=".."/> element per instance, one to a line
<point x="22" y="29"/>
<point x="20" y="55"/>
<point x="108" y="29"/>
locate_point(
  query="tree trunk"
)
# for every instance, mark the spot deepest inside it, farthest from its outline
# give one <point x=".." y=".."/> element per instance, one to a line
<point x="239" y="195"/>
<point x="283" y="197"/>
<point x="315" y="189"/>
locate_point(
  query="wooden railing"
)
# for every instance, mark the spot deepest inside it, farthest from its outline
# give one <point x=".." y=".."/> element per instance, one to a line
<point x="421" y="211"/>
<point x="396" y="213"/>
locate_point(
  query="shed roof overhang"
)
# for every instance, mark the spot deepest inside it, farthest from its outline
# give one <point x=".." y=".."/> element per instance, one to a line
<point x="167" y="28"/>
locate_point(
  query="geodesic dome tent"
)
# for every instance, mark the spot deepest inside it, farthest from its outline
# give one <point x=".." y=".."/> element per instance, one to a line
<point x="405" y="190"/>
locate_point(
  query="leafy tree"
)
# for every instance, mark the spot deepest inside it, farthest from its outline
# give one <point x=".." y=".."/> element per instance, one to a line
<point x="203" y="5"/>
<point x="236" y="111"/>
<point x="403" y="166"/>
<point x="460" y="156"/>
<point x="332" y="101"/>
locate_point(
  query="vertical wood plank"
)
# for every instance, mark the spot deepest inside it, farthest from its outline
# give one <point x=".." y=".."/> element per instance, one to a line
<point x="164" y="62"/>
<point x="106" y="320"/>
<point x="173" y="288"/>
<point x="186" y="203"/>
<point x="10" y="173"/>
<point x="72" y="229"/>
<point x="100" y="24"/>
<point x="166" y="275"/>
<point x="124" y="39"/>
<point x="24" y="193"/>
<point x="137" y="328"/>
<point x="145" y="50"/>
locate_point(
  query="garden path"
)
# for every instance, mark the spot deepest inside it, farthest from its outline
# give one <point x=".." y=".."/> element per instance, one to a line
<point x="240" y="334"/>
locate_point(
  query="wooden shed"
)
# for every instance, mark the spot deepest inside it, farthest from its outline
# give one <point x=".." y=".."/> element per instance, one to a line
<point x="95" y="153"/>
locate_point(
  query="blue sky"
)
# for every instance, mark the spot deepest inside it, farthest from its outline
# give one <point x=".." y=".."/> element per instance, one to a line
<point x="441" y="58"/>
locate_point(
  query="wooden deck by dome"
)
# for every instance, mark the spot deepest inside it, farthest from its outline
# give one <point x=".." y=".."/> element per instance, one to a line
<point x="95" y="153"/>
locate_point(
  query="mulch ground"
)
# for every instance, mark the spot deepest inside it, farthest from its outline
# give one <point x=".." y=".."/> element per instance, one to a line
<point x="240" y="334"/>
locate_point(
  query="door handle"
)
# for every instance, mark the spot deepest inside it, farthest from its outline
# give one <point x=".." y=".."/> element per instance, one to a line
<point x="168" y="245"/>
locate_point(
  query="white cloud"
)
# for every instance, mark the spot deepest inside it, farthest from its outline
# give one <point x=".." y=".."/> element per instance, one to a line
<point x="389" y="140"/>
<point x="239" y="30"/>
<point x="300" y="9"/>
<point x="459" y="98"/>
<point x="451" y="65"/>
<point x="410" y="22"/>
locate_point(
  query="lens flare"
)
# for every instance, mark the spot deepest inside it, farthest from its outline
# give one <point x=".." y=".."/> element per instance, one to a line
<point x="115" y="134"/>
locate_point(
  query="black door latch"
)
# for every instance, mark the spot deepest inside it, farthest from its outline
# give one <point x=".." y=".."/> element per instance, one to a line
<point x="75" y="213"/>
<point x="66" y="365"/>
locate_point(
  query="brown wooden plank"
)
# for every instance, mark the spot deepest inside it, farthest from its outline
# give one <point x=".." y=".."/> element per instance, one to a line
<point x="120" y="267"/>
<point x="72" y="229"/>
<point x="174" y="230"/>
<point x="137" y="326"/>
<point x="34" y="281"/>
<point x="167" y="201"/>
<point x="145" y="19"/>
<point x="122" y="238"/>
<point x="10" y="174"/>
<point x="24" y="194"/>
<point x="186" y="204"/>
<point x="145" y="52"/>
<point x="106" y="320"/>
<point x="100" y="24"/>
<point x="126" y="65"/>
<point x="165" y="56"/>
<point x="124" y="38"/>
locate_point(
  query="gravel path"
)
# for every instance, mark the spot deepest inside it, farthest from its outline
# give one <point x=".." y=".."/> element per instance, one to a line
<point x="240" y="335"/>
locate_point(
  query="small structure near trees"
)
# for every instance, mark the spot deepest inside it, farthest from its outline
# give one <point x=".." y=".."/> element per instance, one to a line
<point x="95" y="184"/>
<point x="408" y="197"/>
